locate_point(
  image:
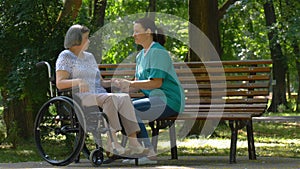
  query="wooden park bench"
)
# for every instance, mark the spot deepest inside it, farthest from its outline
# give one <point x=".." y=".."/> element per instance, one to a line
<point x="234" y="91"/>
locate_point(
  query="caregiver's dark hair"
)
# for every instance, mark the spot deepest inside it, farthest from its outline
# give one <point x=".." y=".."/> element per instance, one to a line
<point x="157" y="33"/>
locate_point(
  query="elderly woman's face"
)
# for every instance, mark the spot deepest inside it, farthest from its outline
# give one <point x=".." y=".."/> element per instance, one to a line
<point x="85" y="41"/>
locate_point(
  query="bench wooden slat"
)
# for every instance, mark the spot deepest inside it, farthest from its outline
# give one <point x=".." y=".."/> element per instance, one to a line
<point x="231" y="93"/>
<point x="227" y="105"/>
<point x="212" y="116"/>
<point x="204" y="112"/>
<point x="223" y="78"/>
<point x="118" y="73"/>
<point x="188" y="71"/>
<point x="191" y="64"/>
<point x="228" y="86"/>
<point x="225" y="63"/>
<point x="114" y="66"/>
<point x="216" y="112"/>
<point x="227" y="101"/>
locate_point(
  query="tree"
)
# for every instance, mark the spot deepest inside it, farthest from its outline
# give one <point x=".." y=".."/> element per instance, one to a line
<point x="98" y="22"/>
<point x="16" y="62"/>
<point x="205" y="15"/>
<point x="288" y="25"/>
<point x="279" y="61"/>
<point x="28" y="35"/>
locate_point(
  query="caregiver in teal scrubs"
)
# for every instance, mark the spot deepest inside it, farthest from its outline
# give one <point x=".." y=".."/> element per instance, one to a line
<point x="155" y="77"/>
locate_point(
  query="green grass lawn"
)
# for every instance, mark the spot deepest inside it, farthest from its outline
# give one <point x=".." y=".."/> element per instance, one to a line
<point x="271" y="139"/>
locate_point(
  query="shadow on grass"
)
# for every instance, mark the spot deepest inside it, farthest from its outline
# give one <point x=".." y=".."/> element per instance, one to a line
<point x="271" y="139"/>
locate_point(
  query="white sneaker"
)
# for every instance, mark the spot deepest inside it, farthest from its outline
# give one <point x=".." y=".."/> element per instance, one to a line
<point x="143" y="160"/>
<point x="126" y="161"/>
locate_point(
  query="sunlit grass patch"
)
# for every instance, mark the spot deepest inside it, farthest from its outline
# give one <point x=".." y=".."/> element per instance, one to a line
<point x="271" y="139"/>
<point x="24" y="152"/>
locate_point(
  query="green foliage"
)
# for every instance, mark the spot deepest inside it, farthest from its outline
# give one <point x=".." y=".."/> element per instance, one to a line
<point x="26" y="39"/>
<point x="289" y="35"/>
<point x="243" y="34"/>
<point x="118" y="51"/>
<point x="29" y="34"/>
<point x="281" y="108"/>
<point x="13" y="136"/>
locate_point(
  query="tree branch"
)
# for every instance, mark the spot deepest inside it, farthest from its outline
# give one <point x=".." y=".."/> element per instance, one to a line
<point x="70" y="10"/>
<point x="225" y="6"/>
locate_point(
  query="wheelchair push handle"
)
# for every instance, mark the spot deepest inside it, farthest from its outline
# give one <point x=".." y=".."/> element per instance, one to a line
<point x="42" y="63"/>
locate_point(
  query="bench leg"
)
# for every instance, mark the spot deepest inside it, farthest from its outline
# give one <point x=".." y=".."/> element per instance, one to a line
<point x="173" y="143"/>
<point x="251" y="146"/>
<point x="155" y="132"/>
<point x="234" y="129"/>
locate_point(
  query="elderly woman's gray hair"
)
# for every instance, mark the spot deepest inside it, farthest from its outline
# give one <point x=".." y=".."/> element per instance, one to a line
<point x="74" y="35"/>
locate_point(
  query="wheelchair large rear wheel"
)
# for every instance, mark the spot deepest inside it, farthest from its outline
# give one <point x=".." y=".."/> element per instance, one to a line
<point x="58" y="134"/>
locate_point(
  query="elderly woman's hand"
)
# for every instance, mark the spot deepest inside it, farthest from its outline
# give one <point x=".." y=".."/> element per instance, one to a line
<point x="122" y="84"/>
<point x="83" y="86"/>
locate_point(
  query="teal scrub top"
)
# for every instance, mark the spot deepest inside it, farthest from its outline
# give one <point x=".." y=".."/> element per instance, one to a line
<point x="157" y="63"/>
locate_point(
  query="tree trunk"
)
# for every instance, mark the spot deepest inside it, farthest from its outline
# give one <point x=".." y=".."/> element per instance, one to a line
<point x="152" y="9"/>
<point x="279" y="61"/>
<point x="288" y="84"/>
<point x="18" y="120"/>
<point x="298" y="93"/>
<point x="203" y="16"/>
<point x="99" y="13"/>
<point x="297" y="54"/>
<point x="98" y="22"/>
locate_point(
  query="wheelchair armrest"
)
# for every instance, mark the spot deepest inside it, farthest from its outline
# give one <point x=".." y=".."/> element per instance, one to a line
<point x="68" y="91"/>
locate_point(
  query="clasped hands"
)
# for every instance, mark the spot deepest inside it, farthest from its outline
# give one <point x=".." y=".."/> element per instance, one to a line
<point x="122" y="84"/>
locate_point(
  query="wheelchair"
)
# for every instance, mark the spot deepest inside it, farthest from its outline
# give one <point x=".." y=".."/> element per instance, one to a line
<point x="60" y="128"/>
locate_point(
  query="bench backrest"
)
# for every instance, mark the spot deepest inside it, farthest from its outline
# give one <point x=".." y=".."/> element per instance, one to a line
<point x="231" y="89"/>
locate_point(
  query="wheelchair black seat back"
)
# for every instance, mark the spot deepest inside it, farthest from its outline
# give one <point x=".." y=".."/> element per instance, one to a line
<point x="60" y="127"/>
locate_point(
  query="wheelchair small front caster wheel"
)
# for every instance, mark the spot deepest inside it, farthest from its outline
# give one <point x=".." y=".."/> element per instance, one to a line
<point x="96" y="157"/>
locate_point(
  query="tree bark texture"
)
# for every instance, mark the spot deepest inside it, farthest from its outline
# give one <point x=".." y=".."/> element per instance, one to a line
<point x="98" y="22"/>
<point x="18" y="120"/>
<point x="99" y="12"/>
<point x="152" y="9"/>
<point x="279" y="61"/>
<point x="203" y="36"/>
<point x="297" y="54"/>
<point x="203" y="14"/>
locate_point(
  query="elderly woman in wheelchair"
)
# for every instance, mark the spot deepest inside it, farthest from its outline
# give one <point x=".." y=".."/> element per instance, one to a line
<point x="76" y="68"/>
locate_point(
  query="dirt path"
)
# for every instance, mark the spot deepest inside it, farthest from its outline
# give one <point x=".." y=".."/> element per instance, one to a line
<point x="188" y="162"/>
